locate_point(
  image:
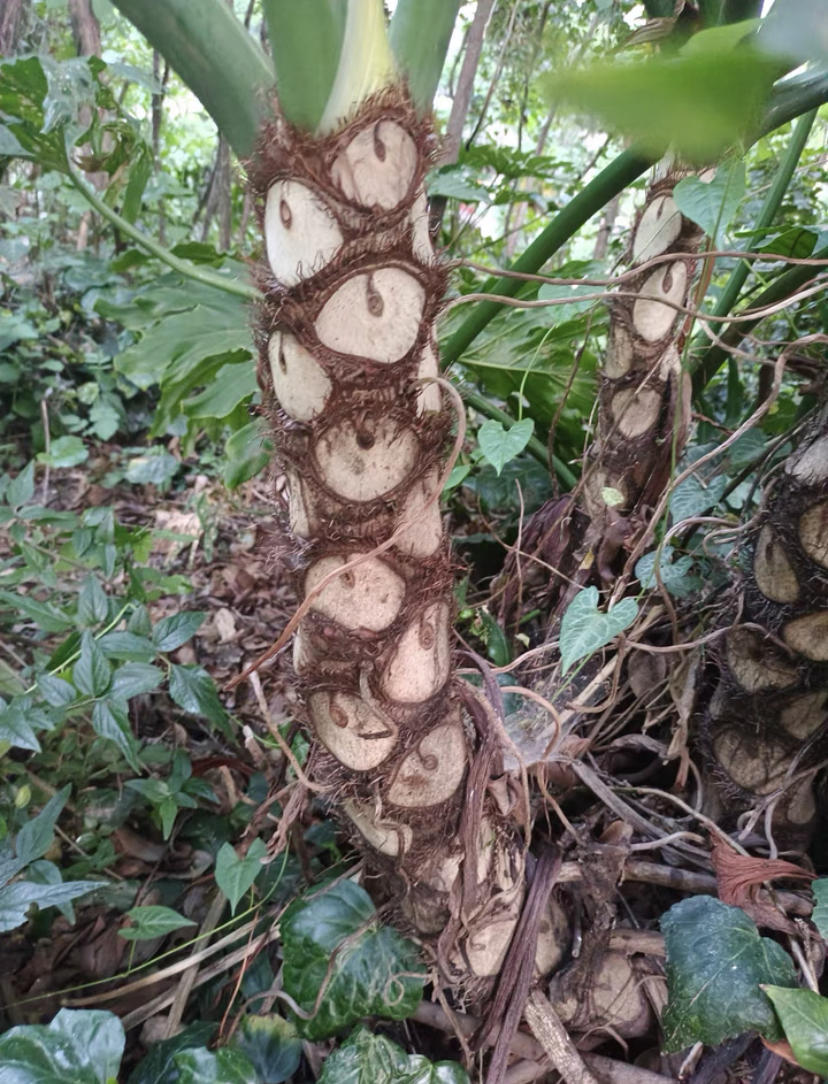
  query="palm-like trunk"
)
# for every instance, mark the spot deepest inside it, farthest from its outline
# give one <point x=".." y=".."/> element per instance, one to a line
<point x="348" y="362"/>
<point x="765" y="726"/>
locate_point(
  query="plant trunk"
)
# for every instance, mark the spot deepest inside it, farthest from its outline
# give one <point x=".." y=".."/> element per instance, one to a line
<point x="764" y="729"/>
<point x="348" y="362"/>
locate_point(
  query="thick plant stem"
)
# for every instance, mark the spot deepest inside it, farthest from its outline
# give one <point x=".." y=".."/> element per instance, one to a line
<point x="348" y="368"/>
<point x="766" y="724"/>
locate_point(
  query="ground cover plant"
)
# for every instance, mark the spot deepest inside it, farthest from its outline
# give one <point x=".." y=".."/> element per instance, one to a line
<point x="414" y="571"/>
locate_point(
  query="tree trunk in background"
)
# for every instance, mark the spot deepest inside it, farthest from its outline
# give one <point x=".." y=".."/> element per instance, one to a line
<point x="11" y="24"/>
<point x="86" y="30"/>
<point x="766" y="724"/>
<point x="347" y="349"/>
<point x="608" y="218"/>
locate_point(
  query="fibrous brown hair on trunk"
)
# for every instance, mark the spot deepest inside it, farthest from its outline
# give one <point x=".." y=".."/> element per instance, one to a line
<point x="348" y="367"/>
<point x="765" y="729"/>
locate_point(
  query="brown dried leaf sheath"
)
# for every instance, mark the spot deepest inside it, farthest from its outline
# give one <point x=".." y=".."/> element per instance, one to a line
<point x="345" y="333"/>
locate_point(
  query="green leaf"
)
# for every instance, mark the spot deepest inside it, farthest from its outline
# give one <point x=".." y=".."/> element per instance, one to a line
<point x="20" y="489"/>
<point x="110" y="720"/>
<point x="226" y="1066"/>
<point x="820" y="915"/>
<point x="500" y="445"/>
<point x="230" y="386"/>
<point x="91" y="673"/>
<point x="419" y="35"/>
<point x="17" y="897"/>
<point x="133" y="678"/>
<point x="273" y="1046"/>
<point x="92" y="602"/>
<point x="804" y="1017"/>
<point x="699" y="104"/>
<point x="44" y="615"/>
<point x="79" y="1047"/>
<point x="676" y="575"/>
<point x="158" y="1067"/>
<point x="16" y="730"/>
<point x="127" y="646"/>
<point x="171" y="632"/>
<point x="192" y="688"/>
<point x="374" y="1059"/>
<point x="716" y="961"/>
<point x="64" y="452"/>
<point x="234" y="873"/>
<point x="152" y="921"/>
<point x="585" y="629"/>
<point x="370" y="973"/>
<point x="712" y="204"/>
<point x="55" y="691"/>
<point x="156" y="468"/>
<point x="247" y="454"/>
<point x="35" y="837"/>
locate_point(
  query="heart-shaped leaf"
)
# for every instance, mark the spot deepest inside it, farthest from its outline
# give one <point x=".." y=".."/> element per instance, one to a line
<point x="804" y="1017"/>
<point x="585" y="629"/>
<point x="235" y="873"/>
<point x="500" y="445"/>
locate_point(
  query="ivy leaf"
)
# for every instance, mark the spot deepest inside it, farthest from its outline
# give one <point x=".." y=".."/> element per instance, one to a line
<point x="500" y="445"/>
<point x="373" y="1059"/>
<point x="171" y="632"/>
<point x="35" y="837"/>
<point x="152" y="921"/>
<point x="820" y="915"/>
<point x="201" y="1066"/>
<point x="804" y="1017"/>
<point x="234" y="873"/>
<point x="716" y="961"/>
<point x="370" y="972"/>
<point x="91" y="673"/>
<point x="158" y="1067"/>
<point x="712" y="204"/>
<point x="585" y="629"/>
<point x="192" y="688"/>
<point x="78" y="1047"/>
<point x="273" y="1046"/>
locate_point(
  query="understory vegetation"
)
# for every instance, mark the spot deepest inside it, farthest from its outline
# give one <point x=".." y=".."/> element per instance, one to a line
<point x="413" y="541"/>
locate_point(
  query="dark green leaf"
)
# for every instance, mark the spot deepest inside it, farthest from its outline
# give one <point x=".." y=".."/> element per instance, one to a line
<point x="234" y="873"/>
<point x="804" y="1017"/>
<point x="152" y="921"/>
<point x="133" y="678"/>
<point x="35" y="837"/>
<point x="676" y="576"/>
<point x="193" y="689"/>
<point x="78" y="1047"/>
<point x="585" y="629"/>
<point x="110" y="720"/>
<point x="16" y="729"/>
<point x="45" y="616"/>
<point x="374" y="1059"/>
<point x="91" y="673"/>
<point x="156" y="468"/>
<point x="226" y="1066"/>
<point x="127" y="646"/>
<point x="273" y="1046"/>
<point x="172" y="632"/>
<point x="716" y="961"/>
<point x="157" y="1067"/>
<point x="370" y="974"/>
<point x="230" y="386"/>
